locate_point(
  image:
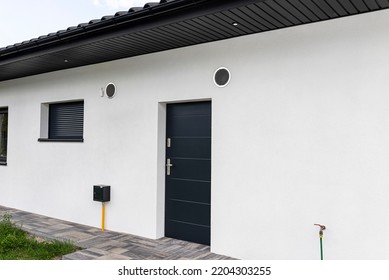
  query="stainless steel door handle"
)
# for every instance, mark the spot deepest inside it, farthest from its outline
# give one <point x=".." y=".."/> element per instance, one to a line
<point x="168" y="166"/>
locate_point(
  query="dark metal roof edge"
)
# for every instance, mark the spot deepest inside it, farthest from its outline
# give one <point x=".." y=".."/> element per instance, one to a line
<point x="148" y="30"/>
<point x="85" y="33"/>
<point x="96" y="25"/>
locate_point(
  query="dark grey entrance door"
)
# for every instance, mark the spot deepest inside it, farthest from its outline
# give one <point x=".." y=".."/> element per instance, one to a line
<point x="188" y="172"/>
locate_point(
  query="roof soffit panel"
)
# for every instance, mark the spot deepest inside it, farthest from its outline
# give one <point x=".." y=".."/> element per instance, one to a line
<point x="150" y="31"/>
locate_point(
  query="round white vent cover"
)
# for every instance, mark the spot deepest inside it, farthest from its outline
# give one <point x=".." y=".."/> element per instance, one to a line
<point x="222" y="77"/>
<point x="110" y="90"/>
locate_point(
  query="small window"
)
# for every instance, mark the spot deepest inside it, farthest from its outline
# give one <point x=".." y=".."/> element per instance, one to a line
<point x="3" y="135"/>
<point x="65" y="122"/>
<point x="110" y="90"/>
<point x="222" y="77"/>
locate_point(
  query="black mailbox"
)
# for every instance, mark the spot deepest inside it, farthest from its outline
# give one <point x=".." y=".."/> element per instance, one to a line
<point x="101" y="193"/>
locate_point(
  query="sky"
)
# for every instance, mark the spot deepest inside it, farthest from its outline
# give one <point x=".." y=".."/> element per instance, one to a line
<point x="22" y="20"/>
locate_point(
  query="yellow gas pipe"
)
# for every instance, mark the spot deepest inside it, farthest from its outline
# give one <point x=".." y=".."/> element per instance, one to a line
<point x="102" y="216"/>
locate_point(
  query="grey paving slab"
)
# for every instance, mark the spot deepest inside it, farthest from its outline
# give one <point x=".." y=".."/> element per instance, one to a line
<point x="108" y="245"/>
<point x="112" y="256"/>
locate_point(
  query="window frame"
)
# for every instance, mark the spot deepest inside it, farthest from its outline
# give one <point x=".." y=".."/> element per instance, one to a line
<point x="3" y="159"/>
<point x="46" y="118"/>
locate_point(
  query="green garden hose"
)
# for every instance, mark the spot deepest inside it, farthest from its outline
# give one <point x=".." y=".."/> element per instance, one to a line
<point x="321" y="239"/>
<point x="321" y="244"/>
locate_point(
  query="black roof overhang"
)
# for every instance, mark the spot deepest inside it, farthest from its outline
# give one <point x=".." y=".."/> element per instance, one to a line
<point x="167" y="25"/>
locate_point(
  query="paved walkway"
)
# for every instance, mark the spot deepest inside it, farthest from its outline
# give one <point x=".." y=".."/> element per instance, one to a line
<point x="108" y="245"/>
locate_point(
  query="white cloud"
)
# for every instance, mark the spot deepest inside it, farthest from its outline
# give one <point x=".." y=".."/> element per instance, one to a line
<point x="119" y="4"/>
<point x="97" y="3"/>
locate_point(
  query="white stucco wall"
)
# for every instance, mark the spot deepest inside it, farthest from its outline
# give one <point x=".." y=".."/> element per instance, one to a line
<point x="300" y="136"/>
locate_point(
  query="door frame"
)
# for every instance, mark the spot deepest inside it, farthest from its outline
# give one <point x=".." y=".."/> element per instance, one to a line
<point x="161" y="158"/>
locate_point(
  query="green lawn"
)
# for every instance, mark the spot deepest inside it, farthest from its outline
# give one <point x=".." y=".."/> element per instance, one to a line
<point x="16" y="244"/>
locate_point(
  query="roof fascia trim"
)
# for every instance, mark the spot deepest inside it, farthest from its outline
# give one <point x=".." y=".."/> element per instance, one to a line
<point x="164" y="13"/>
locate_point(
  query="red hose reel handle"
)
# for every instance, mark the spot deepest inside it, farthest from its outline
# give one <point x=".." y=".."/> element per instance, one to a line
<point x="322" y="227"/>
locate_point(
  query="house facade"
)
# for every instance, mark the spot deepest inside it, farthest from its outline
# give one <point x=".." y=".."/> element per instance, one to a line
<point x="240" y="142"/>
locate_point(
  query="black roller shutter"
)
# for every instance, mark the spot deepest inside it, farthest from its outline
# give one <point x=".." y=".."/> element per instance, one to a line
<point x="66" y="120"/>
